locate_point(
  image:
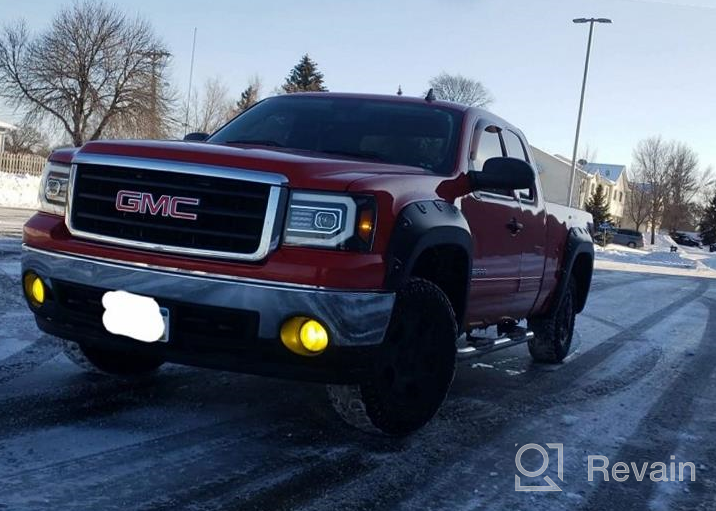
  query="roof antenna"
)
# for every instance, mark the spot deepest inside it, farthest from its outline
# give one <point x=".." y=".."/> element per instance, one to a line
<point x="430" y="96"/>
<point x="400" y="91"/>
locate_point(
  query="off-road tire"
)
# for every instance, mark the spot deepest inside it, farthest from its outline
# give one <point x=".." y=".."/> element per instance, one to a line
<point x="413" y="369"/>
<point x="116" y="363"/>
<point x="553" y="332"/>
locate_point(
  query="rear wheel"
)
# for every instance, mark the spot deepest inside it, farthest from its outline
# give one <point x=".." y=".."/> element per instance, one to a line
<point x="109" y="362"/>
<point x="631" y="244"/>
<point x="553" y="332"/>
<point x="413" y="370"/>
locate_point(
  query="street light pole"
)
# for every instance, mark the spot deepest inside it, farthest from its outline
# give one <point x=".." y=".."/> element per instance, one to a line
<point x="591" y="22"/>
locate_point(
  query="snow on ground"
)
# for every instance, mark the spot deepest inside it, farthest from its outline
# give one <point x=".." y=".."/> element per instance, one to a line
<point x="622" y="254"/>
<point x="657" y="258"/>
<point x="18" y="191"/>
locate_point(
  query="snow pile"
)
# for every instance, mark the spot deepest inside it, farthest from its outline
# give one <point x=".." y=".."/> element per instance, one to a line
<point x="19" y="191"/>
<point x="620" y="254"/>
<point x="662" y="243"/>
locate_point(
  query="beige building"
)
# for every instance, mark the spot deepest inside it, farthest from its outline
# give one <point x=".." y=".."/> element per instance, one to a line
<point x="554" y="171"/>
<point x="613" y="179"/>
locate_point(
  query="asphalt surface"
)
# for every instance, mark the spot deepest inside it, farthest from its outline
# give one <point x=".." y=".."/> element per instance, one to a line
<point x="638" y="387"/>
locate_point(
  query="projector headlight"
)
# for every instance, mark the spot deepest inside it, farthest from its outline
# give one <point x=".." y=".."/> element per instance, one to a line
<point x="328" y="220"/>
<point x="53" y="188"/>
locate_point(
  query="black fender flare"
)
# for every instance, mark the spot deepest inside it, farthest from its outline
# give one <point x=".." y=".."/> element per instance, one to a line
<point x="420" y="226"/>
<point x="579" y="241"/>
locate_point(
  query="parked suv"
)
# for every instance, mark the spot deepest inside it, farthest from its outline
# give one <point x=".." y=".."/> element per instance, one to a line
<point x="348" y="239"/>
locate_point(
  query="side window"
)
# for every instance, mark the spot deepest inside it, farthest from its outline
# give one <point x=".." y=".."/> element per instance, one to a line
<point x="514" y="145"/>
<point x="515" y="149"/>
<point x="488" y="146"/>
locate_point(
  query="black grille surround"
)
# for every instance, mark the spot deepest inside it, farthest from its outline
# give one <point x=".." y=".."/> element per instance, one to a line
<point x="235" y="217"/>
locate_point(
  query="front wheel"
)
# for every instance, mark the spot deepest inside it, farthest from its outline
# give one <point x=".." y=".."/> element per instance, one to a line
<point x="553" y="332"/>
<point x="102" y="361"/>
<point x="413" y="370"/>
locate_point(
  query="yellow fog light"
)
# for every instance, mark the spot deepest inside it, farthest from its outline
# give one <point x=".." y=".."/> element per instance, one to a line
<point x="313" y="336"/>
<point x="34" y="289"/>
<point x="304" y="336"/>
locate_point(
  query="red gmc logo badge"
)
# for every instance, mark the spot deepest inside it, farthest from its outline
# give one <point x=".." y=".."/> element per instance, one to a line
<point x="142" y="202"/>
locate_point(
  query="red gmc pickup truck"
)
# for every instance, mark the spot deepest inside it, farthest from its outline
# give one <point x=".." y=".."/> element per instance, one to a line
<point x="363" y="241"/>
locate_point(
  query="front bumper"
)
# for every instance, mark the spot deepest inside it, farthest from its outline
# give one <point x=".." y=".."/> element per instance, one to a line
<point x="356" y="320"/>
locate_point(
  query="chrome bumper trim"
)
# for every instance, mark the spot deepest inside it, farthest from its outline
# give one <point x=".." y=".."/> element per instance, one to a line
<point x="354" y="318"/>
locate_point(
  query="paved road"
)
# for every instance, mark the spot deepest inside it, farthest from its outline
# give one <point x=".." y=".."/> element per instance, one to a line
<point x="638" y="388"/>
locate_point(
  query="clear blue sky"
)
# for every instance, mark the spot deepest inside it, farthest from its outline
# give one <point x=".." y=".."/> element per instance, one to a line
<point x="653" y="71"/>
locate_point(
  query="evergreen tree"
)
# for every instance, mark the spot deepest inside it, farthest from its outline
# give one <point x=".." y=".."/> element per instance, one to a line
<point x="249" y="96"/>
<point x="707" y="226"/>
<point x="598" y="206"/>
<point x="304" y="77"/>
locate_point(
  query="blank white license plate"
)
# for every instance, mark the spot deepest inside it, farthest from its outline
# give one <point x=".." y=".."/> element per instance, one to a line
<point x="135" y="316"/>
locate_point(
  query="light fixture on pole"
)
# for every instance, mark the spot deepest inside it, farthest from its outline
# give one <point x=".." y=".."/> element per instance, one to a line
<point x="591" y="22"/>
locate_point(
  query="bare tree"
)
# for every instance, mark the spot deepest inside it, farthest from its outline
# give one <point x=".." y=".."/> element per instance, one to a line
<point x="27" y="139"/>
<point x="651" y="160"/>
<point x="211" y="108"/>
<point x="155" y="115"/>
<point x="638" y="200"/>
<point x="250" y="95"/>
<point x="685" y="181"/>
<point x="91" y="67"/>
<point x="460" y="89"/>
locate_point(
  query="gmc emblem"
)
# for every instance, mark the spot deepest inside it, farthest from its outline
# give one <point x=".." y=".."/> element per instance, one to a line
<point x="142" y="202"/>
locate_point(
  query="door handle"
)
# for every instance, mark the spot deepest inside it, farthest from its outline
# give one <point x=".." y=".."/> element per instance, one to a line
<point x="514" y="226"/>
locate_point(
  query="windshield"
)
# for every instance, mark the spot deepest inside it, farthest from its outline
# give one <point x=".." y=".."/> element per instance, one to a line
<point x="399" y="133"/>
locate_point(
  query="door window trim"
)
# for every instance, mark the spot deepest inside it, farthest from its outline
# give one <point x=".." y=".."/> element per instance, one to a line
<point x="480" y="126"/>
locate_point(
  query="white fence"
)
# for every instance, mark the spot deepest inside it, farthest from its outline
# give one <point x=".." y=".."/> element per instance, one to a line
<point x="21" y="163"/>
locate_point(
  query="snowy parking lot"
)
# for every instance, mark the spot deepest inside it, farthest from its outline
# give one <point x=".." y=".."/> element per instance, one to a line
<point x="638" y="387"/>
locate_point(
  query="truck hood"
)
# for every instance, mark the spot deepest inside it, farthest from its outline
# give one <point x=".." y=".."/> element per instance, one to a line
<point x="303" y="169"/>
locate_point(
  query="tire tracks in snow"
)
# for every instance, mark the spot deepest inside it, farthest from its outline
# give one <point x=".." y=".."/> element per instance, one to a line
<point x="656" y="436"/>
<point x="28" y="358"/>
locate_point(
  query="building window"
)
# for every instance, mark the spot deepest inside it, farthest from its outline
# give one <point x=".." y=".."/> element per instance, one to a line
<point x="621" y="196"/>
<point x="614" y="197"/>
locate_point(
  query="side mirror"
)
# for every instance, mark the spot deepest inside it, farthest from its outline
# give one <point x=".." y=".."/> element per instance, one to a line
<point x="502" y="174"/>
<point x="196" y="136"/>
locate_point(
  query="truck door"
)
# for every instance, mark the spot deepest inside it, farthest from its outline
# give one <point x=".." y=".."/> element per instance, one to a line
<point x="495" y="280"/>
<point x="532" y="237"/>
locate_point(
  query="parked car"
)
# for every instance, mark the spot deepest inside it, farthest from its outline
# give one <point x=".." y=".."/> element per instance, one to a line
<point x="626" y="237"/>
<point x="338" y="238"/>
<point x="686" y="240"/>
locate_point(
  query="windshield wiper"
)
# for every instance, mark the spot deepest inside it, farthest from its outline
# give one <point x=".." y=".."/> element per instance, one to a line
<point x="271" y="143"/>
<point x="357" y="154"/>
